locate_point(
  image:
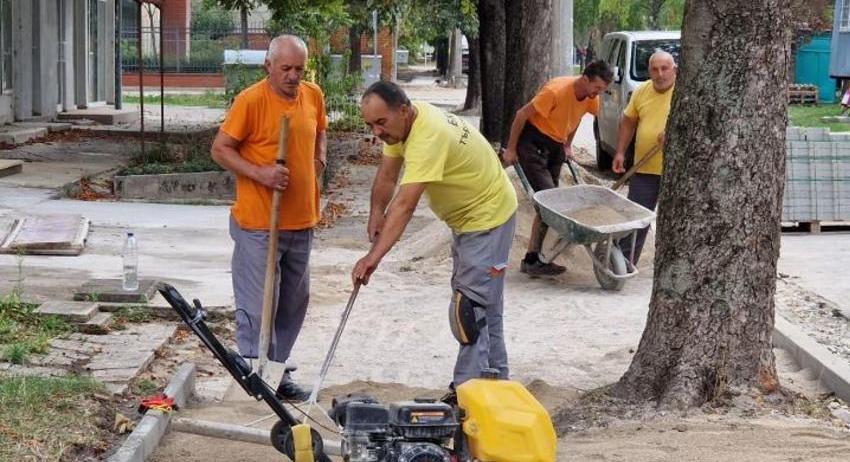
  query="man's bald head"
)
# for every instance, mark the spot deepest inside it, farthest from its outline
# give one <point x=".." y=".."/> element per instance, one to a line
<point x="285" y="63"/>
<point x="662" y="55"/>
<point x="285" y="44"/>
<point x="662" y="70"/>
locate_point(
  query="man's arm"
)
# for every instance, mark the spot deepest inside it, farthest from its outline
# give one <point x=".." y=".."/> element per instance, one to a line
<point x="320" y="157"/>
<point x="225" y="152"/>
<point x="625" y="133"/>
<point x="568" y="144"/>
<point x="398" y="216"/>
<point x="525" y="112"/>
<point x="382" y="192"/>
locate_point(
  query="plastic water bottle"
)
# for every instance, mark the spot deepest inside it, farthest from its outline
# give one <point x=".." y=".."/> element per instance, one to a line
<point x="130" y="255"/>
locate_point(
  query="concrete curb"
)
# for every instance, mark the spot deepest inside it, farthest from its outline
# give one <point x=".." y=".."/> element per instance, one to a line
<point x="834" y="373"/>
<point x="142" y="443"/>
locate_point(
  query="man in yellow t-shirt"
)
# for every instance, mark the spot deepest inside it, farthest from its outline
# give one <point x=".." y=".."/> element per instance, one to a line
<point x="457" y="169"/>
<point x="646" y="113"/>
<point x="541" y="138"/>
<point x="247" y="145"/>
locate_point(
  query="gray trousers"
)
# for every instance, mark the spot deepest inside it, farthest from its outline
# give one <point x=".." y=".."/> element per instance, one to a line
<point x="292" y="288"/>
<point x="480" y="260"/>
<point x="643" y="190"/>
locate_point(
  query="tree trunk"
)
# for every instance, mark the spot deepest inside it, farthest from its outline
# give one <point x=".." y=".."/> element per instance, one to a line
<point x="711" y="314"/>
<point x="528" y="33"/>
<point x="491" y="41"/>
<point x="355" y="63"/>
<point x="243" y="19"/>
<point x="473" y="88"/>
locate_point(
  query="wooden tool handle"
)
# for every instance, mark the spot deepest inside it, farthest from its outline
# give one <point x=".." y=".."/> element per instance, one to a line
<point x="271" y="259"/>
<point x="619" y="183"/>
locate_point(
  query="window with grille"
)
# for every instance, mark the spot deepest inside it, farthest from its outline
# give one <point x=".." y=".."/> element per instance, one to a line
<point x="843" y="11"/>
<point x="5" y="45"/>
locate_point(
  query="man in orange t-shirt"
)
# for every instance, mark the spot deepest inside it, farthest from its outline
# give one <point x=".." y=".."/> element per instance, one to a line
<point x="247" y="145"/>
<point x="541" y="138"/>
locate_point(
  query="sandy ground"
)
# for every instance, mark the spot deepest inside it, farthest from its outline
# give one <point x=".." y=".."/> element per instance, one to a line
<point x="564" y="335"/>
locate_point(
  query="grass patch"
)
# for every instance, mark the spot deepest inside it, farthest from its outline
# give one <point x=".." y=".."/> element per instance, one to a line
<point x="23" y="331"/>
<point x="190" y="155"/>
<point x="208" y="99"/>
<point x="810" y="116"/>
<point x="45" y="418"/>
<point x="145" y="387"/>
<point x="130" y="315"/>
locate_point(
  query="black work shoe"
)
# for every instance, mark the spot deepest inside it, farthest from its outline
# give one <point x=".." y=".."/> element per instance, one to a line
<point x="450" y="398"/>
<point x="288" y="390"/>
<point x="539" y="268"/>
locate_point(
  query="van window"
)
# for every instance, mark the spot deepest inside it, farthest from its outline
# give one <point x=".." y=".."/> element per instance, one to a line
<point x="612" y="52"/>
<point x="641" y="51"/>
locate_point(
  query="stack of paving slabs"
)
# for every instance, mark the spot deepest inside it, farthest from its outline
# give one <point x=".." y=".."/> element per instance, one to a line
<point x="817" y="176"/>
<point x="44" y="235"/>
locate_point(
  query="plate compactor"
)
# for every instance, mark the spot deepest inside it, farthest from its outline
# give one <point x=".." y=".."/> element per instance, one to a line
<point x="493" y="421"/>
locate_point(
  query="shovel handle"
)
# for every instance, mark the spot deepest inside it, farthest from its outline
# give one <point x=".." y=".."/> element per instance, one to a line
<point x="271" y="259"/>
<point x="619" y="183"/>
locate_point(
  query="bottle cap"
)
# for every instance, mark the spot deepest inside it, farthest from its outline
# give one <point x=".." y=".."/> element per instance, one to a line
<point x="129" y="234"/>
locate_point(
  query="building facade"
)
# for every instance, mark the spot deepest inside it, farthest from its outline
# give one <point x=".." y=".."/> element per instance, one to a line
<point x="57" y="56"/>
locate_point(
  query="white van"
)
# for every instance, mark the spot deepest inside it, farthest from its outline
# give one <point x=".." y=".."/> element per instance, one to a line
<point x="628" y="55"/>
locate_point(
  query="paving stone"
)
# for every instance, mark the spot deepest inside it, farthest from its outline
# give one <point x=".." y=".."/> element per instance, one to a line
<point x="97" y="325"/>
<point x="74" y="312"/>
<point x="15" y="135"/>
<point x="116" y="388"/>
<point x="110" y="291"/>
<point x="121" y="360"/>
<point x="52" y="127"/>
<point x="115" y="375"/>
<point x="10" y="167"/>
<point x="78" y="346"/>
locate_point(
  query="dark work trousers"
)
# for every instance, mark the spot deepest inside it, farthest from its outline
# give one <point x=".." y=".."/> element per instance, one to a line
<point x="643" y="190"/>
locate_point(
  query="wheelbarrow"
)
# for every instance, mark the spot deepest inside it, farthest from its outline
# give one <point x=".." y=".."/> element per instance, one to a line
<point x="560" y="209"/>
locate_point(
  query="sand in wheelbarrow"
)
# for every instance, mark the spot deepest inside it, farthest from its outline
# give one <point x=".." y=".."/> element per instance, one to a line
<point x="597" y="215"/>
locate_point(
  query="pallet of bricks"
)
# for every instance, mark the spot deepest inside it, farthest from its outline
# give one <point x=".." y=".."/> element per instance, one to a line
<point x="802" y="94"/>
<point x="817" y="177"/>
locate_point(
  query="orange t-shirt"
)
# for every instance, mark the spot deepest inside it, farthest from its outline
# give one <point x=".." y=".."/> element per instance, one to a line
<point x="254" y="120"/>
<point x="558" y="111"/>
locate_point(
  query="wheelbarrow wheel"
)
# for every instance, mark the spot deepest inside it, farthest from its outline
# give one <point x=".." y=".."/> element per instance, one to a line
<point x="616" y="263"/>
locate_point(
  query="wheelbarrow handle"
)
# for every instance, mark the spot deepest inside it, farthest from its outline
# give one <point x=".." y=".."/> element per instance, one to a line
<point x="569" y="163"/>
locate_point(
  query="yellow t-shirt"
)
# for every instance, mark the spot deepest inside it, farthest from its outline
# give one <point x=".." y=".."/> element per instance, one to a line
<point x="254" y="120"/>
<point x="465" y="182"/>
<point x="650" y="108"/>
<point x="557" y="110"/>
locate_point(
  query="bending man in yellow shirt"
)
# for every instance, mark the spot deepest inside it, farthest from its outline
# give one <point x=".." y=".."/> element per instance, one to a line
<point x="646" y="113"/>
<point x="455" y="166"/>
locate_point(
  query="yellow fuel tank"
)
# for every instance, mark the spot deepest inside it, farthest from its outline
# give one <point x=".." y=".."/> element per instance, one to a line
<point x="505" y="423"/>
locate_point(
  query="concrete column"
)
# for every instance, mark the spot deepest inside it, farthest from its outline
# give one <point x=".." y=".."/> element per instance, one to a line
<point x="66" y="55"/>
<point x="109" y="52"/>
<point x="45" y="75"/>
<point x="81" y="53"/>
<point x="22" y="59"/>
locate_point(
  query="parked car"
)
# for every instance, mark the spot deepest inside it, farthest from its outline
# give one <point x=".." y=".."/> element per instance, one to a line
<point x="628" y="55"/>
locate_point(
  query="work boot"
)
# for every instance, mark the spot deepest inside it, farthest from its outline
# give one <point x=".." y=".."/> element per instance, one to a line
<point x="538" y="268"/>
<point x="288" y="390"/>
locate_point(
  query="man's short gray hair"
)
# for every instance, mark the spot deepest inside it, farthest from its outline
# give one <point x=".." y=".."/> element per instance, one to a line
<point x="281" y="41"/>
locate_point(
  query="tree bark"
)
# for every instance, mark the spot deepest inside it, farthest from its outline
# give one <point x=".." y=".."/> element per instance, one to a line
<point x="528" y="33"/>
<point x="711" y="315"/>
<point x="243" y="20"/>
<point x="355" y="63"/>
<point x="473" y="87"/>
<point x="491" y="40"/>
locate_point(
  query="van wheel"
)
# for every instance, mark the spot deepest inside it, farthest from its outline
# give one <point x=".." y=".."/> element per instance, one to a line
<point x="603" y="159"/>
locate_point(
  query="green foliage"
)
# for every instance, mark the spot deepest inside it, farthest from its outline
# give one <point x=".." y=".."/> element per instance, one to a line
<point x="595" y="18"/>
<point x="23" y="331"/>
<point x="192" y="154"/>
<point x="316" y="19"/>
<point x="211" y="21"/>
<point x="238" y="77"/>
<point x="47" y="418"/>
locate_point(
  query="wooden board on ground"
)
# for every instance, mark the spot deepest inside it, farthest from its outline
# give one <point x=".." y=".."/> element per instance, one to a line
<point x="47" y="235"/>
<point x="10" y="167"/>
